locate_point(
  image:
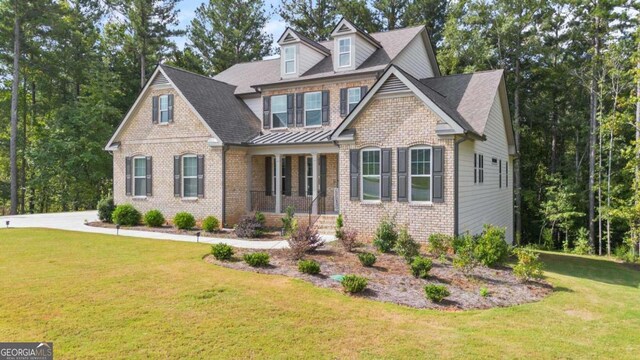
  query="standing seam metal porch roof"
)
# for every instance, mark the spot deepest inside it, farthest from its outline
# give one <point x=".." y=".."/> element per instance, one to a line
<point x="292" y="137"/>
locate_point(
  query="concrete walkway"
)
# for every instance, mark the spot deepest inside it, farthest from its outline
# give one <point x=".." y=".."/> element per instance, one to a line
<point x="74" y="221"/>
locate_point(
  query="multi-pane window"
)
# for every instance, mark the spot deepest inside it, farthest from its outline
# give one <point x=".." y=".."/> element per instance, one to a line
<point x="289" y="59"/>
<point x="140" y="176"/>
<point x="164" y="108"/>
<point x="353" y="97"/>
<point x="344" y="52"/>
<point x="283" y="178"/>
<point x="420" y="160"/>
<point x="313" y="109"/>
<point x="371" y="174"/>
<point x="478" y="168"/>
<point x="189" y="176"/>
<point x="309" y="175"/>
<point x="500" y="173"/>
<point x="506" y="174"/>
<point x="279" y="111"/>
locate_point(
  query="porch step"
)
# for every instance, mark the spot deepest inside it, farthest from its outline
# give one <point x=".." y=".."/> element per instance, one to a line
<point x="326" y="224"/>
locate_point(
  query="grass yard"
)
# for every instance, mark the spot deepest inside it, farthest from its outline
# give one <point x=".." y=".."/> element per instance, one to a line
<point x="107" y="296"/>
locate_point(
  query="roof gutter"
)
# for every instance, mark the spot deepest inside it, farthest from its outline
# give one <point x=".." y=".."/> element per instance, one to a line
<point x="303" y="79"/>
<point x="456" y="182"/>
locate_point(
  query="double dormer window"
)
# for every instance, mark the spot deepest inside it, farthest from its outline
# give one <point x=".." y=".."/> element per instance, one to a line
<point x="344" y="52"/>
<point x="289" y="59"/>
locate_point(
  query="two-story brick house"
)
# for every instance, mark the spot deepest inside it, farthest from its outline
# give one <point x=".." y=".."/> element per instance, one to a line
<point x="361" y="124"/>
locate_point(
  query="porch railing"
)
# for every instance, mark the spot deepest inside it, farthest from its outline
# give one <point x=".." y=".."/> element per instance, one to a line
<point x="266" y="202"/>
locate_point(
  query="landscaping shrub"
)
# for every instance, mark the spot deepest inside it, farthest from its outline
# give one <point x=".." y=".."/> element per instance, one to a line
<point x="248" y="227"/>
<point x="491" y="248"/>
<point x="464" y="259"/>
<point x="184" y="221"/>
<point x="440" y="244"/>
<point x="305" y="239"/>
<point x="258" y="259"/>
<point x="436" y="293"/>
<point x="154" y="218"/>
<point x="288" y="221"/>
<point x="528" y="266"/>
<point x="210" y="224"/>
<point x="308" y="267"/>
<point x="349" y="239"/>
<point x="354" y="283"/>
<point x="386" y="235"/>
<point x="405" y="245"/>
<point x="420" y="267"/>
<point x="582" y="246"/>
<point x="367" y="259"/>
<point x="126" y="215"/>
<point x="484" y="292"/>
<point x="260" y="218"/>
<point x="105" y="209"/>
<point x="222" y="252"/>
<point x="339" y="227"/>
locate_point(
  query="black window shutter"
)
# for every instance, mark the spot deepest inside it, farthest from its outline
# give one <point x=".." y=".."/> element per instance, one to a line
<point x="354" y="186"/>
<point x="266" y="112"/>
<point x="290" y="114"/>
<point x="344" y="108"/>
<point x="325" y="107"/>
<point x="386" y="175"/>
<point x="438" y="174"/>
<point x="302" y="177"/>
<point x="149" y="176"/>
<point x="363" y="91"/>
<point x="300" y="109"/>
<point x="287" y="175"/>
<point x="403" y="175"/>
<point x="200" y="176"/>
<point x="323" y="175"/>
<point x="127" y="172"/>
<point x="154" y="110"/>
<point x="177" y="180"/>
<point x="170" y="107"/>
<point x="268" y="176"/>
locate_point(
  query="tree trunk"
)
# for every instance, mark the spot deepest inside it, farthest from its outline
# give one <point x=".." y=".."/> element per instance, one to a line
<point x="23" y="155"/>
<point x="517" y="162"/>
<point x="638" y="132"/>
<point x="14" y="112"/>
<point x="593" y="127"/>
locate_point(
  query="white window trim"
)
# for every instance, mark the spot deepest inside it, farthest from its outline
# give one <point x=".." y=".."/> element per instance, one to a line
<point x="359" y="97"/>
<point x="160" y="110"/>
<point x="308" y="176"/>
<point x="188" y="177"/>
<point x="273" y="113"/>
<point x="294" y="60"/>
<point x="362" y="151"/>
<point x="134" y="177"/>
<point x="340" y="52"/>
<point x="430" y="176"/>
<point x="307" y="109"/>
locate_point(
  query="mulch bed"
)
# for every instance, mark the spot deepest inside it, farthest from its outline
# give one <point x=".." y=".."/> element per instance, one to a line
<point x="269" y="234"/>
<point x="391" y="281"/>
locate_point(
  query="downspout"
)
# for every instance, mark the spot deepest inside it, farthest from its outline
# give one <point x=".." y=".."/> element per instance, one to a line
<point x="456" y="181"/>
<point x="224" y="181"/>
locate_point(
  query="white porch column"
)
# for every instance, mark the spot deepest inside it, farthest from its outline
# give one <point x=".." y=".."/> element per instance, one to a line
<point x="249" y="160"/>
<point x="278" y="174"/>
<point x="315" y="187"/>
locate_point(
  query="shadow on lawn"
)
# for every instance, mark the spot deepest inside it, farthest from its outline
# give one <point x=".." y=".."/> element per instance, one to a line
<point x="601" y="270"/>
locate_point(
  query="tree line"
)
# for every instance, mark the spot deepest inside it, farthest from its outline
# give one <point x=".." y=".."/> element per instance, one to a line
<point x="69" y="70"/>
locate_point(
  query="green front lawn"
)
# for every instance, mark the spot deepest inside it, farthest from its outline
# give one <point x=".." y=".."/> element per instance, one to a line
<point x="107" y="296"/>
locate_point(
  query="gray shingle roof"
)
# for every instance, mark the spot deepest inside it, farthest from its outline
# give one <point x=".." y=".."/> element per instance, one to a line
<point x="296" y="137"/>
<point x="228" y="116"/>
<point x="310" y="42"/>
<point x="246" y="75"/>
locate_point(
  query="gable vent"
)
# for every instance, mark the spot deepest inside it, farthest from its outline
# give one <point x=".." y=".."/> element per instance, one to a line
<point x="160" y="80"/>
<point x="344" y="28"/>
<point x="289" y="38"/>
<point x="392" y="85"/>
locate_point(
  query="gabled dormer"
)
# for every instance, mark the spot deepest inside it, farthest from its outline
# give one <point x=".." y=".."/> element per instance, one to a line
<point x="298" y="53"/>
<point x="351" y="46"/>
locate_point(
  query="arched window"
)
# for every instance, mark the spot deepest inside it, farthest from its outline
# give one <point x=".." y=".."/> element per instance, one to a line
<point x="420" y="170"/>
<point x="370" y="174"/>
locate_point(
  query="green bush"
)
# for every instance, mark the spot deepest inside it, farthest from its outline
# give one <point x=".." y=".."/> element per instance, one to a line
<point x="126" y="215"/>
<point x="625" y="253"/>
<point x="367" y="259"/>
<point x="258" y="259"/>
<point x="349" y="239"/>
<point x="184" y="221"/>
<point x="154" y="218"/>
<point x="464" y="259"/>
<point x="105" y="209"/>
<point x="288" y="221"/>
<point x="406" y="246"/>
<point x="211" y="224"/>
<point x="248" y="227"/>
<point x="436" y="293"/>
<point x="354" y="283"/>
<point x="491" y="248"/>
<point x="484" y="292"/>
<point x="260" y="218"/>
<point x="386" y="235"/>
<point x="308" y="267"/>
<point x="440" y="244"/>
<point x="222" y="252"/>
<point x="420" y="267"/>
<point x="528" y="266"/>
<point x="339" y="226"/>
<point x="582" y="245"/>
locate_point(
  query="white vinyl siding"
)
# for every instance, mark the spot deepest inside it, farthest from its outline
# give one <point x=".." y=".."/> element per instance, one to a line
<point x="370" y="160"/>
<point x="279" y="111"/>
<point x="254" y="104"/>
<point x="313" y="109"/>
<point x="189" y="176"/>
<point x="139" y="176"/>
<point x="307" y="58"/>
<point x="487" y="204"/>
<point x="415" y="60"/>
<point x="363" y="49"/>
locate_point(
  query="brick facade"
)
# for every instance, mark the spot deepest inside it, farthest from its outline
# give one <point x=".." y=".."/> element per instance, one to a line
<point x="394" y="122"/>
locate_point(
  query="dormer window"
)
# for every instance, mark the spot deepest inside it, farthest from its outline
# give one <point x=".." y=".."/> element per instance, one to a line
<point x="289" y="59"/>
<point x="345" y="52"/>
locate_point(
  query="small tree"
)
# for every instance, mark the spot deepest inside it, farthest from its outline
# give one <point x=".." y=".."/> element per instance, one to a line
<point x="386" y="235"/>
<point x="305" y="239"/>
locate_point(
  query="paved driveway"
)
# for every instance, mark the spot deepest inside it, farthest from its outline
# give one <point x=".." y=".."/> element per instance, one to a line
<point x="74" y="221"/>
